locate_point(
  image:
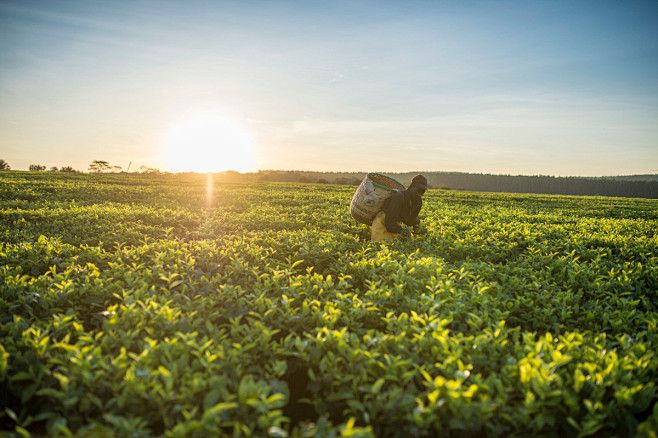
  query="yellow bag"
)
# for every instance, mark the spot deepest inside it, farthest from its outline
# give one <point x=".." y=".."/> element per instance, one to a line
<point x="379" y="231"/>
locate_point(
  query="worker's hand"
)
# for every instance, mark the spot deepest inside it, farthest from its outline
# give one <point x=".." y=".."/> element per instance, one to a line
<point x="419" y="230"/>
<point x="405" y="232"/>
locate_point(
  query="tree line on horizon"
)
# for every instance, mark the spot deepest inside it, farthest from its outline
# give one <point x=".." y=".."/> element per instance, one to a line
<point x="96" y="166"/>
<point x="630" y="186"/>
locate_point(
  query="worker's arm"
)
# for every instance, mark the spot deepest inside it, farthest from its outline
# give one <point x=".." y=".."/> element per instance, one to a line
<point x="411" y="218"/>
<point x="394" y="208"/>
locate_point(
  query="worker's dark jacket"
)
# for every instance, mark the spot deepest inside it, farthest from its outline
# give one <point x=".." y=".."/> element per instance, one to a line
<point x="401" y="207"/>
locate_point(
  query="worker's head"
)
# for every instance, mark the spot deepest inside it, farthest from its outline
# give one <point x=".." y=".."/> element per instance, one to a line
<point x="418" y="185"/>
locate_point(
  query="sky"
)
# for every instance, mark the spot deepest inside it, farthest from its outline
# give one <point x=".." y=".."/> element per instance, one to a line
<point x="563" y="88"/>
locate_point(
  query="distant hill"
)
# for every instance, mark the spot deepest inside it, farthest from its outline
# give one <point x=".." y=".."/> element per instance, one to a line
<point x="641" y="187"/>
<point x="648" y="177"/>
<point x="628" y="186"/>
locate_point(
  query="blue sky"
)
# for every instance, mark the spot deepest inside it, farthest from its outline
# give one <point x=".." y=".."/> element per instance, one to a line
<point x="523" y="87"/>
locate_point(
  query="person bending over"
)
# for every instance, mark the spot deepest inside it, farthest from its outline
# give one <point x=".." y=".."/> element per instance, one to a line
<point x="400" y="207"/>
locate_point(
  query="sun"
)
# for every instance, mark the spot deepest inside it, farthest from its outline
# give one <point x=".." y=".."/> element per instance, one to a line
<point x="208" y="143"/>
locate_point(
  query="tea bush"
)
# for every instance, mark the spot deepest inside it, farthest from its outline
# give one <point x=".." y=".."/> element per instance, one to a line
<point x="174" y="306"/>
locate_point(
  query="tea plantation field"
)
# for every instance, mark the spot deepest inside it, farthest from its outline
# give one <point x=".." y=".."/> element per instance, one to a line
<point x="176" y="306"/>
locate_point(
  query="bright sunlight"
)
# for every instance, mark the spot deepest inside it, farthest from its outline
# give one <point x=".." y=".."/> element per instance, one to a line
<point x="208" y="143"/>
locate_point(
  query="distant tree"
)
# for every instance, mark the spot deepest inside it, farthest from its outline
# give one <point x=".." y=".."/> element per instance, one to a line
<point x="54" y="169"/>
<point x="149" y="170"/>
<point x="67" y="169"/>
<point x="115" y="169"/>
<point x="37" y="167"/>
<point x="98" y="166"/>
<point x="232" y="174"/>
<point x="4" y="165"/>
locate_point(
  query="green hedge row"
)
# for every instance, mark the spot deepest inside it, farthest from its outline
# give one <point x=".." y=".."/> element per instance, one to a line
<point x="146" y="307"/>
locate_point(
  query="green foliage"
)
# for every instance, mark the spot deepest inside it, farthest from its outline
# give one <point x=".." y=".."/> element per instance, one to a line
<point x="162" y="305"/>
